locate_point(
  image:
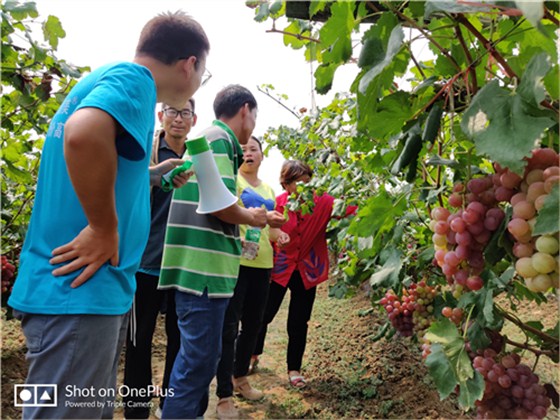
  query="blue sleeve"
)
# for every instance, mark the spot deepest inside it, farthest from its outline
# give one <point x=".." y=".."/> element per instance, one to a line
<point x="126" y="91"/>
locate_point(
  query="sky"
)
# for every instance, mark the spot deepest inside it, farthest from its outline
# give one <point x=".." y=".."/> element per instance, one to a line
<point x="241" y="51"/>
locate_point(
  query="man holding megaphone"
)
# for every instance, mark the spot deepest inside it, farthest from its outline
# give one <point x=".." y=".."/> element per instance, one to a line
<point x="202" y="248"/>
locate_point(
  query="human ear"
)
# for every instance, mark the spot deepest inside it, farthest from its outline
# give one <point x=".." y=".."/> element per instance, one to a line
<point x="189" y="64"/>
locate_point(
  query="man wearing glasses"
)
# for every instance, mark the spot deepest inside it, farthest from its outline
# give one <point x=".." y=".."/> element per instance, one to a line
<point x="169" y="143"/>
<point x="91" y="222"/>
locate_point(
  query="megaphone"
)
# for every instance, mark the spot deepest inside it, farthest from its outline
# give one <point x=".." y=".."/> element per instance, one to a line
<point x="213" y="194"/>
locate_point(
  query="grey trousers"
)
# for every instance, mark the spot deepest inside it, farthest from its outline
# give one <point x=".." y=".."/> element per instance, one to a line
<point x="77" y="356"/>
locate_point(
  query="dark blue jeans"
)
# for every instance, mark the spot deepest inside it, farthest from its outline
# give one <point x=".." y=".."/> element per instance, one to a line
<point x="200" y="321"/>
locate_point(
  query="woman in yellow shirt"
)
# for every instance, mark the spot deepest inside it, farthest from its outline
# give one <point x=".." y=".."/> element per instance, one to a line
<point x="249" y="299"/>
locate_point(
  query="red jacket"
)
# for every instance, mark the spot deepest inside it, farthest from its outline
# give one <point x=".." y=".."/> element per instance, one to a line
<point x="307" y="250"/>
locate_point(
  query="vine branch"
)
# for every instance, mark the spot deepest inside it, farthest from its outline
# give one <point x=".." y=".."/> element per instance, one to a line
<point x="488" y="45"/>
<point x="278" y="102"/>
<point x="550" y="17"/>
<point x="526" y="327"/>
<point x="298" y="36"/>
<point x="537" y="352"/>
<point x="436" y="44"/>
<point x="470" y="69"/>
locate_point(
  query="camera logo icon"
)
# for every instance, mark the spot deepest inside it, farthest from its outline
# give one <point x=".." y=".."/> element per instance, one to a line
<point x="40" y="395"/>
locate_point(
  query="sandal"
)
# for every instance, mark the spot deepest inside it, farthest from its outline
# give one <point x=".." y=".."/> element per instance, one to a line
<point x="297" y="381"/>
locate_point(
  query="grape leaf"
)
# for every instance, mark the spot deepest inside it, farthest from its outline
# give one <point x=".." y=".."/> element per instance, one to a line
<point x="487" y="301"/>
<point x="531" y="88"/>
<point x="21" y="10"/>
<point x="316" y="7"/>
<point x="547" y="219"/>
<point x="262" y="12"/>
<point x="502" y="126"/>
<point x="443" y="361"/>
<point x="445" y="333"/>
<point x="324" y="77"/>
<point x="378" y="214"/>
<point x="393" y="46"/>
<point x="551" y="81"/>
<point x="497" y="248"/>
<point x="335" y="33"/>
<point x="441" y="371"/>
<point x="506" y="126"/>
<point x="372" y="52"/>
<point x="450" y="6"/>
<point x="477" y="337"/>
<point x="292" y="29"/>
<point x="276" y="7"/>
<point x="471" y="390"/>
<point x="532" y="10"/>
<point x="394" y="110"/>
<point x="52" y="30"/>
<point x="388" y="276"/>
<point x="522" y="292"/>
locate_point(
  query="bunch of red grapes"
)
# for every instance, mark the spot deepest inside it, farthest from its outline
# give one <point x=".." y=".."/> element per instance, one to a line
<point x="537" y="255"/>
<point x="411" y="312"/>
<point x="512" y="389"/>
<point x="8" y="270"/>
<point x="455" y="315"/>
<point x="460" y="238"/>
<point x="399" y="312"/>
<point x="423" y="297"/>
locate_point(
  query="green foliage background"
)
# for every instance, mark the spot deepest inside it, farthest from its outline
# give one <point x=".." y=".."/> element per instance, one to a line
<point x="487" y="93"/>
<point x="34" y="84"/>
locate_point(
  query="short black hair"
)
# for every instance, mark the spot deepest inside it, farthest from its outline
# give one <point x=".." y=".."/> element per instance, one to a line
<point x="170" y="37"/>
<point x="231" y="99"/>
<point x="191" y="101"/>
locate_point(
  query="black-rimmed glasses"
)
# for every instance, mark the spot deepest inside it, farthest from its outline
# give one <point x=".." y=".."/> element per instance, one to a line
<point x="172" y="113"/>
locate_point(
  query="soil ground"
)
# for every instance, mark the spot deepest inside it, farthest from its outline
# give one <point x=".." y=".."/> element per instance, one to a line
<point x="348" y="374"/>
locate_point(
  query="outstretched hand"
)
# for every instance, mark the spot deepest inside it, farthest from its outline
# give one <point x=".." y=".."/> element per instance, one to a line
<point x="90" y="249"/>
<point x="162" y="168"/>
<point x="275" y="219"/>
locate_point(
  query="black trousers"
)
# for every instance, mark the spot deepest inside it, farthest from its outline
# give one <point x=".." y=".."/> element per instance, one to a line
<point x="299" y="314"/>
<point x="148" y="302"/>
<point x="247" y="305"/>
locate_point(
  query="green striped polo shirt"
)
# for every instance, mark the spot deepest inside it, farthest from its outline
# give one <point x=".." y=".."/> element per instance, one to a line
<point x="202" y="252"/>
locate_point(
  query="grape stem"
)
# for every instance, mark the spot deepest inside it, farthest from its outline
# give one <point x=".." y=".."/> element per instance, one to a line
<point x="467" y="323"/>
<point x="526" y="327"/>
<point x="524" y="346"/>
<point x="298" y="36"/>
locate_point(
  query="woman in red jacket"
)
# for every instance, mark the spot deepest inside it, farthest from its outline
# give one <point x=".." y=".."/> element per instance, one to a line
<point x="299" y="266"/>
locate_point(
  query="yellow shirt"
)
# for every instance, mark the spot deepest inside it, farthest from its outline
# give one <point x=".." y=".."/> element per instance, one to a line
<point x="264" y="258"/>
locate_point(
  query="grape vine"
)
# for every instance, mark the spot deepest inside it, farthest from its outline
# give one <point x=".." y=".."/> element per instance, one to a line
<point x="452" y="157"/>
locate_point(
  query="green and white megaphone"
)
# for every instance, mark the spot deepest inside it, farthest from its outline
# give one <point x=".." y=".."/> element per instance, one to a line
<point x="213" y="194"/>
